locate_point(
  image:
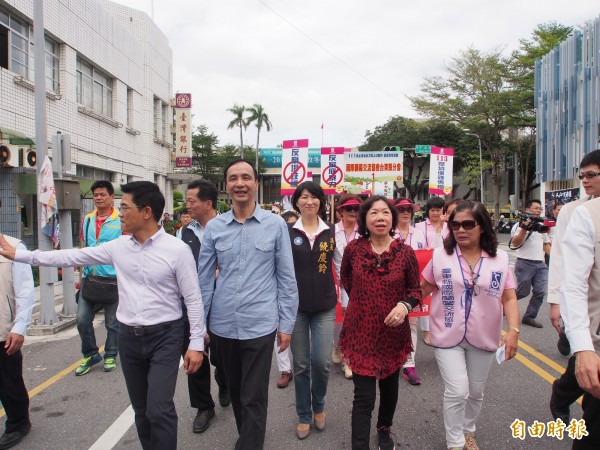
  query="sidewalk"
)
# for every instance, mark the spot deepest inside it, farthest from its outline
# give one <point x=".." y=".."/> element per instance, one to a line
<point x="64" y="322"/>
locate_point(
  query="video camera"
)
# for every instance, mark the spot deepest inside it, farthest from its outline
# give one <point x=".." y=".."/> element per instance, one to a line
<point x="535" y="223"/>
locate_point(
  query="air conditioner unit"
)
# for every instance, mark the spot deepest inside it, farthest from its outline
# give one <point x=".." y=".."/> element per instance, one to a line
<point x="29" y="158"/>
<point x="9" y="156"/>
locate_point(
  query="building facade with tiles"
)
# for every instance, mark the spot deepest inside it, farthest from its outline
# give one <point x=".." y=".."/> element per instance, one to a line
<point x="109" y="84"/>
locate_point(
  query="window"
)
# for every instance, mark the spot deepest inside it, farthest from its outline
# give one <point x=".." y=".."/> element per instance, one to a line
<point x="94" y="88"/>
<point x="16" y="50"/>
<point x="164" y="117"/>
<point x="130" y="107"/>
<point x="93" y="173"/>
<point x="156" y="116"/>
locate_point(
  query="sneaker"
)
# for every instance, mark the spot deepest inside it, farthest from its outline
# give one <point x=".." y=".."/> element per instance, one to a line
<point x="336" y="355"/>
<point x="87" y="363"/>
<point x="470" y="443"/>
<point x="410" y="374"/>
<point x="564" y="347"/>
<point x="384" y="437"/>
<point x="347" y="371"/>
<point x="110" y="364"/>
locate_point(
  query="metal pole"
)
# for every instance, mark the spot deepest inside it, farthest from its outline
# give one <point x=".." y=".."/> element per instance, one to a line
<point x="66" y="240"/>
<point x="47" y="274"/>
<point x="481" y="171"/>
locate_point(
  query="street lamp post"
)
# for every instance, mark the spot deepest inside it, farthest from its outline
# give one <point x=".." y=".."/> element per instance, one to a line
<point x="480" y="164"/>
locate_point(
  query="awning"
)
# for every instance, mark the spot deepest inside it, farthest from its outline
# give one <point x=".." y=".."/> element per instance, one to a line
<point x="14" y="137"/>
<point x="26" y="185"/>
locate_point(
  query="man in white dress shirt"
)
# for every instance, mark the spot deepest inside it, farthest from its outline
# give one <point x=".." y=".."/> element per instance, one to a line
<point x="154" y="270"/>
<point x="580" y="310"/>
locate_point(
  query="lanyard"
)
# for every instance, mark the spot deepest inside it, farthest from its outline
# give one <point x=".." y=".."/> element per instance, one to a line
<point x="469" y="289"/>
<point x="404" y="240"/>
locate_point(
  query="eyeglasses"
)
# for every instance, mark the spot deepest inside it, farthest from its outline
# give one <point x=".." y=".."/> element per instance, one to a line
<point x="124" y="209"/>
<point x="401" y="209"/>
<point x="353" y="208"/>
<point x="466" y="224"/>
<point x="588" y="175"/>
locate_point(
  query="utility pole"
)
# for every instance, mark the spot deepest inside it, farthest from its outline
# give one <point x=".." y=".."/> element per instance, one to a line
<point x="47" y="274"/>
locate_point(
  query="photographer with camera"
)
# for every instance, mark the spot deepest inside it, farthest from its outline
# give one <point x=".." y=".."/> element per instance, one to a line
<point x="530" y="240"/>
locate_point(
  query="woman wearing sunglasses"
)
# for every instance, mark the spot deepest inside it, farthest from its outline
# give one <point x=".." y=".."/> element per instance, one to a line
<point x="346" y="230"/>
<point x="381" y="277"/>
<point x="409" y="235"/>
<point x="472" y="285"/>
<point x="316" y="255"/>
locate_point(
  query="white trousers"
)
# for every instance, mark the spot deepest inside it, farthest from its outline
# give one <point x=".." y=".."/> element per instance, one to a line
<point x="410" y="361"/>
<point x="283" y="359"/>
<point x="424" y="323"/>
<point x="464" y="370"/>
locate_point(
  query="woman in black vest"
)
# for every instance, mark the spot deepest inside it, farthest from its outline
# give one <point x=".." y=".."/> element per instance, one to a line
<point x="316" y="256"/>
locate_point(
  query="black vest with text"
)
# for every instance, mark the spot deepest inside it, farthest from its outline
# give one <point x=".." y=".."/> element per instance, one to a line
<point x="314" y="269"/>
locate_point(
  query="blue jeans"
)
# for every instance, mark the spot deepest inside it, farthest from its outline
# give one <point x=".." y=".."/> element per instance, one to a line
<point x="85" y="326"/>
<point x="312" y="342"/>
<point x="531" y="274"/>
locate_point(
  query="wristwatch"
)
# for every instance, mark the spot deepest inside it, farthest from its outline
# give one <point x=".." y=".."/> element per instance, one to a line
<point x="515" y="329"/>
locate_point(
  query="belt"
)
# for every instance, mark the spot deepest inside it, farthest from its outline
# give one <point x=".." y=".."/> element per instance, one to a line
<point x="531" y="260"/>
<point x="150" y="329"/>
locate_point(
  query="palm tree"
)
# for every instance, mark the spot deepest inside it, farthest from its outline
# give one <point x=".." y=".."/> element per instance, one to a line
<point x="258" y="115"/>
<point x="239" y="121"/>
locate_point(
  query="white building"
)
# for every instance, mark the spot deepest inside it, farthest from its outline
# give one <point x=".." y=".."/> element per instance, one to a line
<point x="109" y="83"/>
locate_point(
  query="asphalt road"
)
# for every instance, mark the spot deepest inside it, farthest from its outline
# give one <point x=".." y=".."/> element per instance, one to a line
<point x="87" y="412"/>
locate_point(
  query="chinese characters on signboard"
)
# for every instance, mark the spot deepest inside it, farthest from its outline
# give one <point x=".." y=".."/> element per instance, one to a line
<point x="440" y="171"/>
<point x="332" y="169"/>
<point x="294" y="165"/>
<point x="183" y="132"/>
<point x="363" y="169"/>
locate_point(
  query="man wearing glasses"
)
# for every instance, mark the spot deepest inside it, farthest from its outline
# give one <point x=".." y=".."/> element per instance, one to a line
<point x="531" y="269"/>
<point x="154" y="270"/>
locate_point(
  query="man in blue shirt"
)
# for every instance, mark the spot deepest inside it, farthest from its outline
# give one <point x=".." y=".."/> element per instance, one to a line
<point x="255" y="296"/>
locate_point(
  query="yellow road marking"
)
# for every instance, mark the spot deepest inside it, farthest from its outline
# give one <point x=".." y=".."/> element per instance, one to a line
<point x="50" y="381"/>
<point x="537" y="369"/>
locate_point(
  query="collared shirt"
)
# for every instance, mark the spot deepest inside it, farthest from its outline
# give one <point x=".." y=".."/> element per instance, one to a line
<point x="415" y="239"/>
<point x="577" y="248"/>
<point x="256" y="290"/>
<point x="533" y="247"/>
<point x="152" y="277"/>
<point x="24" y="294"/>
<point x="556" y="258"/>
<point x="338" y="253"/>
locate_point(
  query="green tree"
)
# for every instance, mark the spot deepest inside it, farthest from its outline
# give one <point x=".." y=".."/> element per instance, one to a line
<point x="204" y="147"/>
<point x="258" y="115"/>
<point x="522" y="64"/>
<point x="240" y="122"/>
<point x="476" y="93"/>
<point x="407" y="133"/>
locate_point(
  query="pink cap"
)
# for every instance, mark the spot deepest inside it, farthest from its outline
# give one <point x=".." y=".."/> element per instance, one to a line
<point x="405" y="202"/>
<point x="350" y="202"/>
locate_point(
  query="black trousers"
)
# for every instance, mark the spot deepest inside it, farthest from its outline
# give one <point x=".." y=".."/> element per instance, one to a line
<point x="199" y="382"/>
<point x="247" y="366"/>
<point x="150" y="364"/>
<point x="591" y="416"/>
<point x="566" y="388"/>
<point x="365" y="392"/>
<point x="13" y="394"/>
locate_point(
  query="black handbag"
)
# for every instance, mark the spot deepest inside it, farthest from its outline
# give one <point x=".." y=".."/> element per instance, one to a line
<point x="98" y="289"/>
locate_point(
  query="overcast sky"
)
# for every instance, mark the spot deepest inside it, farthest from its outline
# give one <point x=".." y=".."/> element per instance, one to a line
<point x="349" y="65"/>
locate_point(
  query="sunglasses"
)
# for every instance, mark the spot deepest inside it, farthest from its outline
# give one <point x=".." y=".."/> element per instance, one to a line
<point x="353" y="208"/>
<point x="466" y="224"/>
<point x="588" y="175"/>
<point x="401" y="209"/>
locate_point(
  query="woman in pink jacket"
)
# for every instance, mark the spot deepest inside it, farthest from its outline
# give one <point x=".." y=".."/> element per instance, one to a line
<point x="472" y="285"/>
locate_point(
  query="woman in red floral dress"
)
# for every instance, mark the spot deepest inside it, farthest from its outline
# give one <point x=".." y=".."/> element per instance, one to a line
<point x="381" y="276"/>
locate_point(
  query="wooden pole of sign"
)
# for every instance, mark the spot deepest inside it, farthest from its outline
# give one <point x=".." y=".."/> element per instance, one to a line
<point x="332" y="205"/>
